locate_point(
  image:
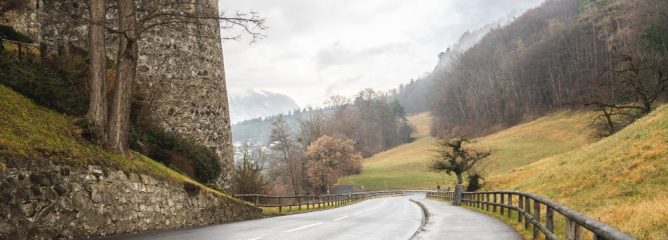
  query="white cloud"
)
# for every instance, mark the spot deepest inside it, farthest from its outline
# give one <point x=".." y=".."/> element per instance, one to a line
<point x="318" y="48"/>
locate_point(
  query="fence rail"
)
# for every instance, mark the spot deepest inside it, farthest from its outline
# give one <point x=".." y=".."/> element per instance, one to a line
<point x="529" y="208"/>
<point x="311" y="201"/>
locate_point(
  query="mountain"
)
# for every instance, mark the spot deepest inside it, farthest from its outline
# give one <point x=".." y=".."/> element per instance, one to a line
<point x="256" y="103"/>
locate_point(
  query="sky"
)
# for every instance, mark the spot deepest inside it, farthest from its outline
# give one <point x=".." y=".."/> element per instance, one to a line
<point x="318" y="48"/>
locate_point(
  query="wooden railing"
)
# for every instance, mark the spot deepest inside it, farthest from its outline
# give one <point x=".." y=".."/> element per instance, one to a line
<point x="30" y="50"/>
<point x="311" y="201"/>
<point x="529" y="208"/>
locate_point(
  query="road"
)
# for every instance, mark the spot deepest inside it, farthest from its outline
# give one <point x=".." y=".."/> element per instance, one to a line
<point x="450" y="222"/>
<point x="381" y="218"/>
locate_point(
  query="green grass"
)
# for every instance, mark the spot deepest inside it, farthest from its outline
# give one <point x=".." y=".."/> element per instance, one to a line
<point x="403" y="167"/>
<point x="29" y="131"/>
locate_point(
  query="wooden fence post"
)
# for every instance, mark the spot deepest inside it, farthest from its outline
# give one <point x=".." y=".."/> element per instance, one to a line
<point x="494" y="206"/>
<point x="487" y="201"/>
<point x="520" y="206"/>
<point x="503" y="200"/>
<point x="280" y="206"/>
<point x="573" y="231"/>
<point x="536" y="216"/>
<point x="510" y="203"/>
<point x="549" y="219"/>
<point x="527" y="209"/>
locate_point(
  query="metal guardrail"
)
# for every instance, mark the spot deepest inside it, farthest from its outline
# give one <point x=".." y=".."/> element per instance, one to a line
<point x="310" y="201"/>
<point x="532" y="215"/>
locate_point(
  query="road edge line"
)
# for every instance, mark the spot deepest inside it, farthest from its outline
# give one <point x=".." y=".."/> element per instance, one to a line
<point x="425" y="217"/>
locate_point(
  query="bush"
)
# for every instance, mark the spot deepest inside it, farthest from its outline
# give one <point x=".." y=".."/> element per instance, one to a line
<point x="176" y="150"/>
<point x="10" y="33"/>
<point x="474" y="178"/>
<point x="47" y="86"/>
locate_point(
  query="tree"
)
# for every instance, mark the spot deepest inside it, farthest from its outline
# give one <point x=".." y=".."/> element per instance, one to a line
<point x="330" y="158"/>
<point x="97" y="109"/>
<point x="130" y="28"/>
<point x="128" y="51"/>
<point x="454" y="157"/>
<point x="287" y="151"/>
<point x="249" y="178"/>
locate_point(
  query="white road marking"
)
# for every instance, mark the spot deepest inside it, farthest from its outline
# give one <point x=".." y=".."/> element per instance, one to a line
<point x="256" y="238"/>
<point x="370" y="208"/>
<point x="340" y="218"/>
<point x="300" y="228"/>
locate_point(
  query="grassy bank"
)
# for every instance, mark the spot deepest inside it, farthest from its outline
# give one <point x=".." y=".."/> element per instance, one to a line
<point x="621" y="180"/>
<point x="29" y="131"/>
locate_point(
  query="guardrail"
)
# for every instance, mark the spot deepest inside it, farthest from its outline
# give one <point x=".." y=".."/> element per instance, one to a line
<point x="310" y="201"/>
<point x="522" y="202"/>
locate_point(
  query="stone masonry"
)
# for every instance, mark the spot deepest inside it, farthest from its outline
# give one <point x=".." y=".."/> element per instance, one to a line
<point x="42" y="200"/>
<point x="183" y="64"/>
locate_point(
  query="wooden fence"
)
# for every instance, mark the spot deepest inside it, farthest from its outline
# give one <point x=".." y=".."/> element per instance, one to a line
<point x="529" y="208"/>
<point x="29" y="50"/>
<point x="311" y="201"/>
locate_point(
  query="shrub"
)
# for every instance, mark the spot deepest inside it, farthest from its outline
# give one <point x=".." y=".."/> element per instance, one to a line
<point x="47" y="86"/>
<point x="8" y="32"/>
<point x="203" y="160"/>
<point x="173" y="160"/>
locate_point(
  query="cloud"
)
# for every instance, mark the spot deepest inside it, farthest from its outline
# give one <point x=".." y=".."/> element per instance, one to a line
<point x="318" y="48"/>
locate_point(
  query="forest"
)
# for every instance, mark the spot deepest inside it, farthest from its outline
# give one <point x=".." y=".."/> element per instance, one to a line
<point x="604" y="55"/>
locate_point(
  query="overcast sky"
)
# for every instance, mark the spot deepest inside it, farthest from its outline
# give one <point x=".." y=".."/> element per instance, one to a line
<point x="318" y="48"/>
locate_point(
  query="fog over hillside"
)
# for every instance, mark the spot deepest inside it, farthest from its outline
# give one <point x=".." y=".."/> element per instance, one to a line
<point x="254" y="103"/>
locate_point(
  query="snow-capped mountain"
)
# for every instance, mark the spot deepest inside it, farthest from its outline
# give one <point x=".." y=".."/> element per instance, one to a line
<point x="254" y="103"/>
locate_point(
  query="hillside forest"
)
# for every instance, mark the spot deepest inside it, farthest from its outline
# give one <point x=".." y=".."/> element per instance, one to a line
<point x="604" y="55"/>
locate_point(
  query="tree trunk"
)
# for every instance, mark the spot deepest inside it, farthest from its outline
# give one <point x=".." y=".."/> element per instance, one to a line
<point x="119" y="116"/>
<point x="460" y="179"/>
<point x="459" y="190"/>
<point x="97" y="109"/>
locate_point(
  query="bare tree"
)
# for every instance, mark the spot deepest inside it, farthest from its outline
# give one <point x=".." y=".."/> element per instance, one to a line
<point x="130" y="29"/>
<point x="287" y="151"/>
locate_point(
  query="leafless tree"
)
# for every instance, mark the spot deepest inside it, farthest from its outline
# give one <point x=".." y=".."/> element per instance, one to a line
<point x="131" y="25"/>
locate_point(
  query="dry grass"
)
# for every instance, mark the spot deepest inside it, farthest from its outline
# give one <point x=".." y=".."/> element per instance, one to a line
<point x="621" y="180"/>
<point x="422" y="122"/>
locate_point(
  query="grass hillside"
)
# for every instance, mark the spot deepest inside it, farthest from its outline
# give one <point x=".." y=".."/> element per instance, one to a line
<point x="546" y="136"/>
<point x="29" y="131"/>
<point x="406" y="166"/>
<point x="621" y="180"/>
<point x="403" y="167"/>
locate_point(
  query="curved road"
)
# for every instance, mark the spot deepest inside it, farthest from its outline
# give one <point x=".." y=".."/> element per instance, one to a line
<point x="381" y="218"/>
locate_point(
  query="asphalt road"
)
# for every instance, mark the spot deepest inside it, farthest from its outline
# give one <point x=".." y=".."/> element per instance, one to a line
<point x="381" y="218"/>
<point x="450" y="222"/>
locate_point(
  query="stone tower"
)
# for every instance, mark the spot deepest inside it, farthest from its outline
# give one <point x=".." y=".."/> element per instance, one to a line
<point x="184" y="63"/>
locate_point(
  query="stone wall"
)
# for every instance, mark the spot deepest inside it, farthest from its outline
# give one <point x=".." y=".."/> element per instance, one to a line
<point x="43" y="200"/>
<point x="183" y="64"/>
